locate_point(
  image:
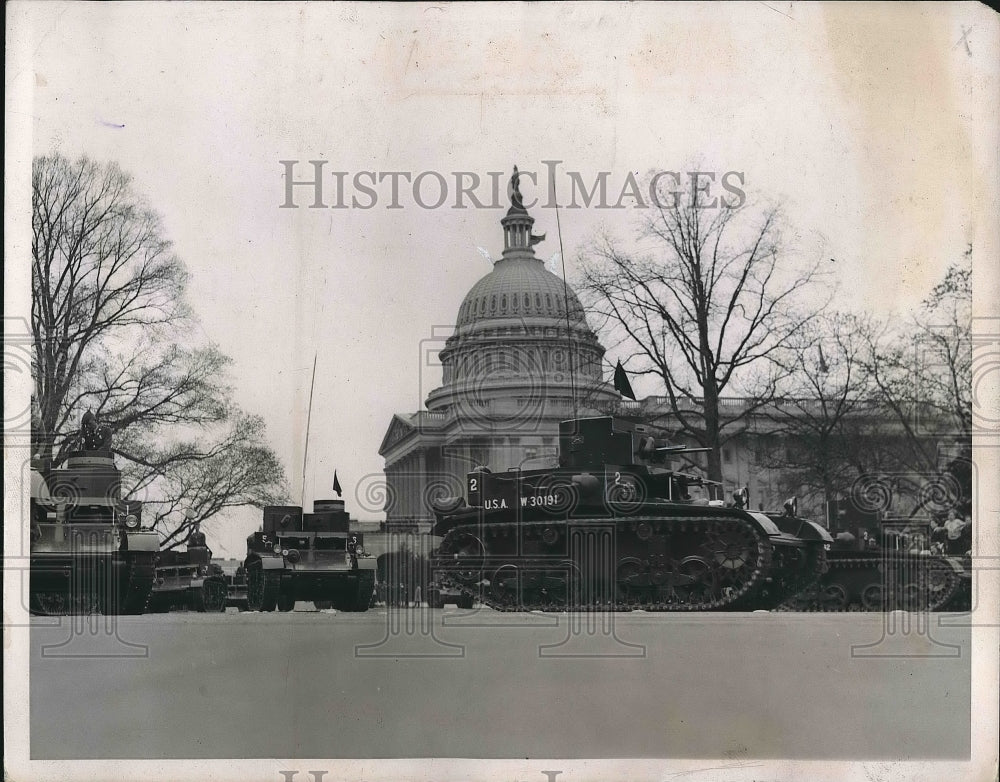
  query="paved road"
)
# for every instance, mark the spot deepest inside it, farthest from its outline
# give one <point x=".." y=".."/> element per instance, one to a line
<point x="339" y="685"/>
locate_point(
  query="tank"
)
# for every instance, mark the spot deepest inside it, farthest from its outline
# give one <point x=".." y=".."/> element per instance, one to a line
<point x="440" y="595"/>
<point x="613" y="527"/>
<point x="878" y="570"/>
<point x="310" y="557"/>
<point x="189" y="579"/>
<point x="89" y="550"/>
<point x="235" y="576"/>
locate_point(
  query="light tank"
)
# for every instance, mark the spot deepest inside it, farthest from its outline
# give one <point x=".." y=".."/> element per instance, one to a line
<point x="885" y="571"/>
<point x="89" y="550"/>
<point x="613" y="528"/>
<point x="189" y="579"/>
<point x="235" y="576"/>
<point x="308" y="556"/>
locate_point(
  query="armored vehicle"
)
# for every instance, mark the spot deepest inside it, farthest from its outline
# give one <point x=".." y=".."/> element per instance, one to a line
<point x="440" y="595"/>
<point x="613" y="528"/>
<point x="89" y="550"/>
<point x="189" y="579"/>
<point x="308" y="556"/>
<point x="235" y="576"/>
<point x="886" y="571"/>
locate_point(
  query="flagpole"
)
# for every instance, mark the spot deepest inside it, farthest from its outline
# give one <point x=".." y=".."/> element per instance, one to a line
<point x="569" y="333"/>
<point x="305" y="451"/>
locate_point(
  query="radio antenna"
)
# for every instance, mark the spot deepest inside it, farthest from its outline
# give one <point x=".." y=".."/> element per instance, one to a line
<point x="569" y="333"/>
<point x="305" y="451"/>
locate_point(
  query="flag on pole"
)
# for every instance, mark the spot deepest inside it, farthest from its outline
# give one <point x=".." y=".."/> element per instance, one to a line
<point x="336" y="484"/>
<point x="622" y="386"/>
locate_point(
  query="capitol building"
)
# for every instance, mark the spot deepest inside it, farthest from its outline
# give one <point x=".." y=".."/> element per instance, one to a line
<point x="507" y="381"/>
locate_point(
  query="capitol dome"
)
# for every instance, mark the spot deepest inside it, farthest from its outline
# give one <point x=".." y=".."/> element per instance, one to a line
<point x="512" y="334"/>
<point x="519" y="288"/>
<point x="512" y="370"/>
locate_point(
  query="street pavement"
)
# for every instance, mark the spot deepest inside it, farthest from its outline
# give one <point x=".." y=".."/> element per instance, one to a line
<point x="482" y="684"/>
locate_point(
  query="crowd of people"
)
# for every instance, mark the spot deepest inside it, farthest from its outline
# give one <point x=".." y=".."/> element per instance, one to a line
<point x="949" y="535"/>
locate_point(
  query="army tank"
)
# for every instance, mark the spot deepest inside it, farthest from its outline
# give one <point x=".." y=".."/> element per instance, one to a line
<point x="189" y="579"/>
<point x="883" y="573"/>
<point x="89" y="550"/>
<point x="308" y="556"/>
<point x="235" y="576"/>
<point x="612" y="528"/>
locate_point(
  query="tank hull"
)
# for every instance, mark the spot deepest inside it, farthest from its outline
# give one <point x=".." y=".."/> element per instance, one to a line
<point x="89" y="552"/>
<point x="204" y="595"/>
<point x="274" y="583"/>
<point x="87" y="569"/>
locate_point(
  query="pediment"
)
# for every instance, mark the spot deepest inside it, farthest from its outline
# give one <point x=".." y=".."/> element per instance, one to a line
<point x="399" y="429"/>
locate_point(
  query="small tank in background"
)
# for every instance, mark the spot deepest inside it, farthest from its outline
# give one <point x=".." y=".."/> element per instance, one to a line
<point x="235" y="576"/>
<point x="189" y="579"/>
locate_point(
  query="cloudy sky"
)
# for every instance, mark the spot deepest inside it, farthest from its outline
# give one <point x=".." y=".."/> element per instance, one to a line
<point x="873" y="126"/>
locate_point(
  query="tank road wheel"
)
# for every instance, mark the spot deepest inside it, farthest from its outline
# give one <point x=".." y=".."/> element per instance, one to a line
<point x="211" y="598"/>
<point x="47" y="604"/>
<point x="633" y="580"/>
<point x="913" y="598"/>
<point x="504" y="587"/>
<point x="832" y="597"/>
<point x="873" y="598"/>
<point x="286" y="602"/>
<point x="464" y="554"/>
<point x="262" y="593"/>
<point x="733" y="553"/>
<point x="942" y="584"/>
<point x="564" y="586"/>
<point x="694" y="582"/>
<point x="323" y="605"/>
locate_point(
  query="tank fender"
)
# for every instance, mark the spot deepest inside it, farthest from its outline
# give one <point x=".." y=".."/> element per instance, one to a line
<point x="273" y="563"/>
<point x="801" y="528"/>
<point x="810" y="530"/>
<point x="142" y="541"/>
<point x="766" y="523"/>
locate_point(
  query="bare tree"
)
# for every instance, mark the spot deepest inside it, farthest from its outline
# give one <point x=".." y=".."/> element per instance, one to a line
<point x="820" y="424"/>
<point x="99" y="267"/>
<point x="922" y="374"/>
<point x="108" y="320"/>
<point x="706" y="308"/>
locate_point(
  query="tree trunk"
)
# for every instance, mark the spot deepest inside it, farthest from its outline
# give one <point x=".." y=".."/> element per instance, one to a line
<point x="712" y="432"/>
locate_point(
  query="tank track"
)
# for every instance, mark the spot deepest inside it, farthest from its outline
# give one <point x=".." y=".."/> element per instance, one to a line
<point x="133" y="600"/>
<point x="880" y="583"/>
<point x="262" y="597"/>
<point x="141" y="575"/>
<point x="796" y="575"/>
<point x="210" y="597"/>
<point x="662" y="564"/>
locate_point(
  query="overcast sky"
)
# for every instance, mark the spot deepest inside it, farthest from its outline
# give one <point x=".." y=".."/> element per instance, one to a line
<point x="869" y="124"/>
